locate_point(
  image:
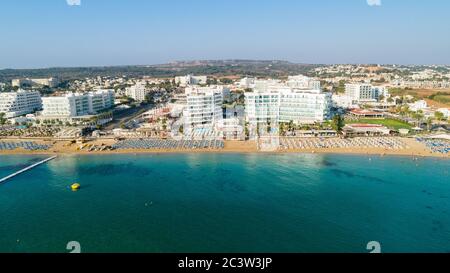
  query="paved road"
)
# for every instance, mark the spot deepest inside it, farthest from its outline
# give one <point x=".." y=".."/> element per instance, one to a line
<point x="124" y="116"/>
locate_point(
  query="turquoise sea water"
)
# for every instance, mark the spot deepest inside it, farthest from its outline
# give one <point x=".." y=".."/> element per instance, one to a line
<point x="226" y="203"/>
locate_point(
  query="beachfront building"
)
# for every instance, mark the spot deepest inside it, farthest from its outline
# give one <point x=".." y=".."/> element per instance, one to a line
<point x="203" y="108"/>
<point x="362" y="92"/>
<point x="358" y="130"/>
<point x="362" y="113"/>
<point x="78" y="107"/>
<point x="276" y="102"/>
<point x="138" y="92"/>
<point x="100" y="100"/>
<point x="299" y="106"/>
<point x="50" y="82"/>
<point x="304" y="106"/>
<point x="14" y="104"/>
<point x="78" y="104"/>
<point x="69" y="105"/>
<point x="190" y="80"/>
<point x="230" y="129"/>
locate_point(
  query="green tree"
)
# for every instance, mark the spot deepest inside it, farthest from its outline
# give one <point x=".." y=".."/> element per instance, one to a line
<point x="429" y="123"/>
<point x="341" y="87"/>
<point x="291" y="125"/>
<point x="247" y="131"/>
<point x="2" y="119"/>
<point x="282" y="128"/>
<point x="149" y="98"/>
<point x="241" y="99"/>
<point x="338" y="123"/>
<point x="438" y="115"/>
<point x="404" y="110"/>
<point x="269" y="127"/>
<point x="418" y="116"/>
<point x="226" y="81"/>
<point x="211" y="81"/>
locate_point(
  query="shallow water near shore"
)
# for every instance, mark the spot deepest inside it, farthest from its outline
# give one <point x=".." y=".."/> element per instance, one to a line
<point x="226" y="203"/>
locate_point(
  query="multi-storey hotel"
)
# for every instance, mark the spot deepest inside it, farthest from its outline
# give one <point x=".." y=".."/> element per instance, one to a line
<point x="279" y="102"/>
<point x="14" y="104"/>
<point x="364" y="92"/>
<point x="203" y="108"/>
<point x="77" y="104"/>
<point x="100" y="100"/>
<point x="138" y="92"/>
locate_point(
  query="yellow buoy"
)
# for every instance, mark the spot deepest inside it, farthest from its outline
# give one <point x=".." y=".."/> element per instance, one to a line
<point x="75" y="186"/>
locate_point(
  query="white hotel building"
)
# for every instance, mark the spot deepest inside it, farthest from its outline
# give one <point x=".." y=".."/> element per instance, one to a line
<point x="203" y="108"/>
<point x="14" y="104"/>
<point x="275" y="102"/>
<point x="190" y="80"/>
<point x="138" y="92"/>
<point x="77" y="104"/>
<point x="365" y="92"/>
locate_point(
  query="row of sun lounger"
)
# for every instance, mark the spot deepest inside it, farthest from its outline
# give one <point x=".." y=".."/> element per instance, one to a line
<point x="435" y="145"/>
<point x="29" y="132"/>
<point x="317" y="143"/>
<point x="27" y="145"/>
<point x="206" y="134"/>
<point x="168" y="144"/>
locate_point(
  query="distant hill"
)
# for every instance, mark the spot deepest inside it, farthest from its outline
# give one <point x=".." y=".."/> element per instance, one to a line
<point x="273" y="68"/>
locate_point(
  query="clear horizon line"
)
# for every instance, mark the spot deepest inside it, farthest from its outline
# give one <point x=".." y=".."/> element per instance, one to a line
<point x="210" y="60"/>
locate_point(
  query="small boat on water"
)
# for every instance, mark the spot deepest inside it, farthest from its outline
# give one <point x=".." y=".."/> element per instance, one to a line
<point x="75" y="186"/>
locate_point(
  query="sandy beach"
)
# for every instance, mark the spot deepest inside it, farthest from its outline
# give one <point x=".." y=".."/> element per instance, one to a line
<point x="62" y="147"/>
<point x="414" y="148"/>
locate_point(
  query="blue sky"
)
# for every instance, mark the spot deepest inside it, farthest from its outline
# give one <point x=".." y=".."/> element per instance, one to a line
<point x="48" y="33"/>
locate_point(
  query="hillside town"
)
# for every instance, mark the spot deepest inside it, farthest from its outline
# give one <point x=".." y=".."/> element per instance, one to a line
<point x="328" y="107"/>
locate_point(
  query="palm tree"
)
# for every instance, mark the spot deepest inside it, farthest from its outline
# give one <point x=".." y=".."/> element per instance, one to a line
<point x="291" y="125"/>
<point x="429" y="123"/>
<point x="282" y="129"/>
<point x="418" y="116"/>
<point x="246" y="131"/>
<point x="2" y="119"/>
